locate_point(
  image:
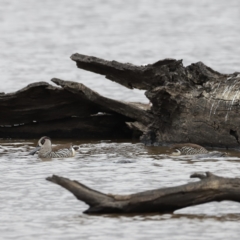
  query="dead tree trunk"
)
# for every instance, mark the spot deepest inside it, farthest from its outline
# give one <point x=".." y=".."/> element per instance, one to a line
<point x="165" y="200"/>
<point x="189" y="104"/>
<point x="71" y="111"/>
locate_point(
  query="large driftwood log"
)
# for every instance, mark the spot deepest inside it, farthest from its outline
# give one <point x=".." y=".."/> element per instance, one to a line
<point x="72" y="110"/>
<point x="165" y="200"/>
<point x="189" y="104"/>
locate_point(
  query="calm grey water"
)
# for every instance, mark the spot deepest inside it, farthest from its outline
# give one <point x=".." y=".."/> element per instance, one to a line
<point x="36" y="41"/>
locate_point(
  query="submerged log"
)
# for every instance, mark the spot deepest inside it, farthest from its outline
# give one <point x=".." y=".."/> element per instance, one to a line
<point x="189" y="104"/>
<point x="165" y="200"/>
<point x="72" y="110"/>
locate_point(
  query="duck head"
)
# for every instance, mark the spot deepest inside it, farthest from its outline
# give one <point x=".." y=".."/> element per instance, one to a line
<point x="176" y="152"/>
<point x="41" y="142"/>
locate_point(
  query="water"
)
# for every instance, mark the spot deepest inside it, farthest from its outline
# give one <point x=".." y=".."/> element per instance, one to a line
<point x="32" y="208"/>
<point x="36" y="41"/>
<point x="38" y="37"/>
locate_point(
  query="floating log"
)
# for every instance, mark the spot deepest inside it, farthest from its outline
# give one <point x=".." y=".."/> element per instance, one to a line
<point x="189" y="104"/>
<point x="164" y="200"/>
<point x="70" y="111"/>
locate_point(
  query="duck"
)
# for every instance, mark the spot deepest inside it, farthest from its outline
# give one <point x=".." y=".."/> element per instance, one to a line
<point x="187" y="149"/>
<point x="46" y="150"/>
<point x="195" y="149"/>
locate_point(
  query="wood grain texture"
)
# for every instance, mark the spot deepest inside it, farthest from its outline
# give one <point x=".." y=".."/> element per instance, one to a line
<point x="164" y="200"/>
<point x="42" y="102"/>
<point x="72" y="110"/>
<point x="189" y="104"/>
<point x="192" y="104"/>
<point x="131" y="110"/>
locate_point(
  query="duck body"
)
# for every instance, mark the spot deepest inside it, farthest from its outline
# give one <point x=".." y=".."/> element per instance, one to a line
<point x="187" y="149"/>
<point x="46" y="150"/>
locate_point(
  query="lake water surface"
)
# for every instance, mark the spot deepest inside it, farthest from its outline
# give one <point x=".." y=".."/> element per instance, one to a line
<point x="33" y="208"/>
<point x="36" y="41"/>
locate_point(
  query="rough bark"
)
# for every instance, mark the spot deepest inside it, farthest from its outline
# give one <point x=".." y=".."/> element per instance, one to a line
<point x="164" y="200"/>
<point x="189" y="104"/>
<point x="42" y="102"/>
<point x="70" y="111"/>
<point x="130" y="110"/>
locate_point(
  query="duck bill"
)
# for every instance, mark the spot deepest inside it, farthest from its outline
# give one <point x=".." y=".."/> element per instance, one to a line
<point x="35" y="150"/>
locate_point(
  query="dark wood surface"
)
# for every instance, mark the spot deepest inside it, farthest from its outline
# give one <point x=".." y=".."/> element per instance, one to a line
<point x="164" y="200"/>
<point x="102" y="127"/>
<point x="69" y="111"/>
<point x="42" y="102"/>
<point x="192" y="104"/>
<point x="189" y="104"/>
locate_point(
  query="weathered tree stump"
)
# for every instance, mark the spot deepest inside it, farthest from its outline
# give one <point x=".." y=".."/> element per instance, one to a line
<point x="189" y="104"/>
<point x="165" y="200"/>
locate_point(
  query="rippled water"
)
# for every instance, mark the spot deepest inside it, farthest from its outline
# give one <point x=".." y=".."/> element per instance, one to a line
<point x="36" y="40"/>
<point x="38" y="37"/>
<point x="33" y="208"/>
